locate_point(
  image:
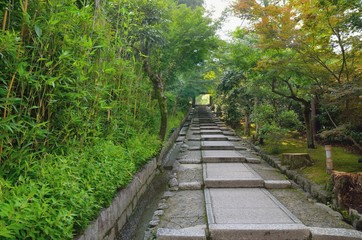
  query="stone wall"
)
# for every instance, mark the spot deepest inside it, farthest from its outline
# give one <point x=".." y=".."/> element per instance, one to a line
<point x="112" y="219"/>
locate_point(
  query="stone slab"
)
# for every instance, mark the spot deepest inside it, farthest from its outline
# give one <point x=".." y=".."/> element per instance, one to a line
<point x="194" y="139"/>
<point x="190" y="186"/>
<point x="253" y="160"/>
<point x="228" y="133"/>
<point x="269" y="184"/>
<point x="245" y="206"/>
<point x="211" y="127"/>
<point x="190" y="157"/>
<point x="187" y="209"/>
<point x="217" y="145"/>
<point x="214" y="156"/>
<point x="216" y="137"/>
<point x="259" y="232"/>
<point x="181" y="234"/>
<point x="334" y="234"/>
<point x="231" y="175"/>
<point x="211" y="132"/>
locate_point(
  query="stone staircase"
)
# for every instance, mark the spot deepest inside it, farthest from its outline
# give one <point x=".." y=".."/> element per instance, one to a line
<point x="216" y="194"/>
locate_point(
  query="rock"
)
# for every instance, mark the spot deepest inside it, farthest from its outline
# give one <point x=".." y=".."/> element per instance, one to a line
<point x="296" y="160"/>
<point x="153" y="223"/>
<point x="158" y="213"/>
<point x="154" y="217"/>
<point x="174" y="189"/>
<point x="358" y="225"/>
<point x="168" y="194"/>
<point x="162" y="206"/>
<point x="173" y="182"/>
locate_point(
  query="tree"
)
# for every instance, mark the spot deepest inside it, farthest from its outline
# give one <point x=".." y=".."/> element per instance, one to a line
<point x="322" y="35"/>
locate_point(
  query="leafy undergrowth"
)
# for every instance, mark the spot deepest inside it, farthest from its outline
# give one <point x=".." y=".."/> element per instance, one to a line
<point x="56" y="197"/>
<point x="174" y="121"/>
<point x="342" y="160"/>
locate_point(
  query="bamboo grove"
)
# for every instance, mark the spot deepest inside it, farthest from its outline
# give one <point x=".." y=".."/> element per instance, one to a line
<point x="80" y="112"/>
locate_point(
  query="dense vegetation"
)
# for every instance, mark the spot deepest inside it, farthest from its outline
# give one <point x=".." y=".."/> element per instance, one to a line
<point x="83" y="90"/>
<point x="89" y="90"/>
<point x="297" y="65"/>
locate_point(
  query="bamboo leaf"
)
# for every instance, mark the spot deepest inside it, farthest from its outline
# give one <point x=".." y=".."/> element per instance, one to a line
<point x="38" y="31"/>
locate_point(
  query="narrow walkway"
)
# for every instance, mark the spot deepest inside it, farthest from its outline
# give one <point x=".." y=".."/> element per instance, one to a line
<point x="221" y="189"/>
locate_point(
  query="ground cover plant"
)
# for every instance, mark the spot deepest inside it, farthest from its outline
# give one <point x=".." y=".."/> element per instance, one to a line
<point x="84" y="103"/>
<point x="343" y="159"/>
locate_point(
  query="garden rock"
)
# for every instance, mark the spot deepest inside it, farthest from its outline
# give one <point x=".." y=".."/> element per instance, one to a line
<point x="296" y="160"/>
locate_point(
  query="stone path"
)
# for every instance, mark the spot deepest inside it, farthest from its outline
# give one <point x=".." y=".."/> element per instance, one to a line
<point x="220" y="189"/>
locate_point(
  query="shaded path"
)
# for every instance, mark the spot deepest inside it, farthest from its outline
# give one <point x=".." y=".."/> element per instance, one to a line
<point x="221" y="189"/>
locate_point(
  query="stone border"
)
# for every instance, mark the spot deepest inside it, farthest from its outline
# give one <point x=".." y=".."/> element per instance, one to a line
<point x="111" y="219"/>
<point x="315" y="190"/>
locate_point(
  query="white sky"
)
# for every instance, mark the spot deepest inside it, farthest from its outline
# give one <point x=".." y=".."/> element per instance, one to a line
<point x="217" y="7"/>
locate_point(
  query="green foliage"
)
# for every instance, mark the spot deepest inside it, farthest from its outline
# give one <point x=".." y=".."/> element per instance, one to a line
<point x="59" y="195"/>
<point x="78" y="112"/>
<point x="343" y="160"/>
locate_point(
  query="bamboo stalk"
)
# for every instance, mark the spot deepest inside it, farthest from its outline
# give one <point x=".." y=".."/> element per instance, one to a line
<point x="25" y="9"/>
<point x="135" y="103"/>
<point x="5" y="19"/>
<point x="8" y="94"/>
<point x="5" y="108"/>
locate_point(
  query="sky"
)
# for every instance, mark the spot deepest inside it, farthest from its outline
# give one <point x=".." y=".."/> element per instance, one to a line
<point x="217" y="7"/>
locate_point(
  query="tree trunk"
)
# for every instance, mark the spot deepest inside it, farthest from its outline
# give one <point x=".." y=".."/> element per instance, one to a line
<point x="161" y="98"/>
<point x="308" y="127"/>
<point x="247" y="123"/>
<point x="163" y="109"/>
<point x="313" y="116"/>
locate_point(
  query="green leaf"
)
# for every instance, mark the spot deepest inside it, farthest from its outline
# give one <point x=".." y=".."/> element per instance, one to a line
<point x="38" y="31"/>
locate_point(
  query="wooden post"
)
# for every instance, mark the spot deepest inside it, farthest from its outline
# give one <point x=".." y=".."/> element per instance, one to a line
<point x="329" y="161"/>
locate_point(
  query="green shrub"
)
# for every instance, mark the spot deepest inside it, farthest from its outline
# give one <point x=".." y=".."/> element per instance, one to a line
<point x="57" y="196"/>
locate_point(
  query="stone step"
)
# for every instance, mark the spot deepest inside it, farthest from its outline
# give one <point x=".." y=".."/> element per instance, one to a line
<point x="231" y="175"/>
<point x="228" y="133"/>
<point x="216" y="156"/>
<point x="252" y="213"/>
<point x="218" y="137"/>
<point x="234" y="139"/>
<point x="211" y="132"/>
<point x="183" y="131"/>
<point x="211" y="127"/>
<point x="217" y="145"/>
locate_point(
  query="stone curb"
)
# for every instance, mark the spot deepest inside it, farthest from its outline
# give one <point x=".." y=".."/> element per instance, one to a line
<point x="315" y="190"/>
<point x="259" y="231"/>
<point x="334" y="234"/>
<point x="178" y="234"/>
